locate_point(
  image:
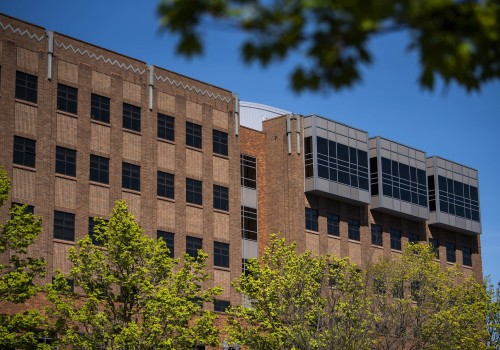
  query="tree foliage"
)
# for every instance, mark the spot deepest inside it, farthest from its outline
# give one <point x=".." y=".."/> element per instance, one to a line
<point x="493" y="315"/>
<point x="129" y="294"/>
<point x="18" y="274"/>
<point x="457" y="41"/>
<point x="299" y="301"/>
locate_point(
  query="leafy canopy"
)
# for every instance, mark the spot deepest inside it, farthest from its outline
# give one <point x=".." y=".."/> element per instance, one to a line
<point x="134" y="295"/>
<point x="457" y="41"/>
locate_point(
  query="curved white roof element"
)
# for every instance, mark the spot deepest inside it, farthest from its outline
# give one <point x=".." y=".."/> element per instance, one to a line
<point x="253" y="114"/>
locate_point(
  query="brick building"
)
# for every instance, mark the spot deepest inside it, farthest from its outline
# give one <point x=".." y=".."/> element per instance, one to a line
<point x="83" y="126"/>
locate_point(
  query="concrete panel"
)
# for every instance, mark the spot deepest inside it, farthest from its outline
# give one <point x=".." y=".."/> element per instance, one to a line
<point x="101" y="83"/>
<point x="342" y="130"/>
<point x="249" y="197"/>
<point x="131" y="146"/>
<point x="221" y="226"/>
<point x="23" y="184"/>
<point x="344" y="190"/>
<point x="362" y="136"/>
<point x="67" y="71"/>
<point x="166" y="155"/>
<point x="322" y="123"/>
<point x="309" y="184"/>
<point x="405" y="207"/>
<point x="193" y="111"/>
<point x="25" y="118"/>
<point x="65" y="193"/>
<point x="27" y="59"/>
<point x="249" y="249"/>
<point x="334" y="247"/>
<point x="312" y="243"/>
<point x="323" y="185"/>
<point x="61" y="257"/>
<point x="322" y="133"/>
<point x="342" y="139"/>
<point x="306" y="122"/>
<point x="221" y="170"/>
<point x="355" y="252"/>
<point x="165" y="217"/>
<point x="133" y="202"/>
<point x="166" y="103"/>
<point x="332" y="126"/>
<point x="194" y="164"/>
<point x="132" y="92"/>
<point x="99" y="200"/>
<point x="352" y="133"/>
<point x="220" y="119"/>
<point x="67" y="129"/>
<point x="352" y="142"/>
<point x="223" y="279"/>
<point x="195" y="222"/>
<point x="364" y="196"/>
<point x="396" y="205"/>
<point x="100" y="138"/>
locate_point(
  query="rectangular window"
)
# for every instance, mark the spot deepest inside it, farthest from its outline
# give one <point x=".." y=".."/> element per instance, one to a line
<point x="467" y="256"/>
<point x="131" y="176"/>
<point x="64" y="225"/>
<point x="99" y="169"/>
<point x="221" y="305"/>
<point x="221" y="198"/>
<point x="193" y="135"/>
<point x="220" y="142"/>
<point x="434" y="243"/>
<point x="451" y="252"/>
<point x="311" y="219"/>
<point x="376" y="235"/>
<point x="353" y="229"/>
<point x="67" y="98"/>
<point x="92" y="224"/>
<point x="248" y="171"/>
<point x="221" y="254"/>
<point x="29" y="209"/>
<point x="99" y="108"/>
<point x="308" y="157"/>
<point x="166" y="129"/>
<point x="131" y="117"/>
<point x="24" y="151"/>
<point x="194" y="191"/>
<point x="395" y="239"/>
<point x="249" y="223"/>
<point x="457" y="198"/>
<point x="413" y="237"/>
<point x="332" y="222"/>
<point x="65" y="161"/>
<point x="193" y="244"/>
<point x="165" y="185"/>
<point x="26" y="87"/>
<point x="168" y="238"/>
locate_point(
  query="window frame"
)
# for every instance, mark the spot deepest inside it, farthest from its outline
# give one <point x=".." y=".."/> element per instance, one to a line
<point x="311" y="219"/>
<point x="434" y="243"/>
<point x="24" y="150"/>
<point x="165" y="127"/>
<point x="353" y="229"/>
<point x="99" y="166"/>
<point x="467" y="257"/>
<point x="100" y="108"/>
<point x="221" y="254"/>
<point x="220" y="142"/>
<point x="67" y="98"/>
<point x="221" y="305"/>
<point x="377" y="233"/>
<point x="249" y="219"/>
<point x="169" y="239"/>
<point x="333" y="224"/>
<point x="194" y="135"/>
<point x="65" y="161"/>
<point x="25" y="90"/>
<point x="65" y="228"/>
<point x="193" y="245"/>
<point x="221" y="198"/>
<point x="451" y="252"/>
<point x="131" y="117"/>
<point x="194" y="191"/>
<point x="395" y="239"/>
<point x="131" y="176"/>
<point x="165" y="184"/>
<point x="248" y="169"/>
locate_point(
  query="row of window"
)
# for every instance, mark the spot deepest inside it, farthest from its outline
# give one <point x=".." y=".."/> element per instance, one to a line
<point x="25" y="154"/>
<point x="455" y="198"/>
<point x="67" y="101"/>
<point x="332" y="223"/>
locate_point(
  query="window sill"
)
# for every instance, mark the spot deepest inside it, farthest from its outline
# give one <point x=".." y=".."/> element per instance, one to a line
<point x="220" y="268"/>
<point x="68" y="114"/>
<point x="130" y="131"/>
<point x="24" y="167"/>
<point x="377" y="246"/>
<point x="100" y="184"/>
<point x="131" y="191"/>
<point x="199" y="206"/>
<point x="63" y="241"/>
<point x="194" y="148"/>
<point x="353" y="241"/>
<point x="67" y="177"/>
<point x="396" y="251"/>
<point x="165" y="199"/>
<point x="451" y="263"/>
<point x="222" y="156"/>
<point x="220" y="211"/>
<point x="98" y="122"/>
<point x="312" y="232"/>
<point x="467" y="267"/>
<point x="27" y="103"/>
<point x="170" y="142"/>
<point x="333" y="236"/>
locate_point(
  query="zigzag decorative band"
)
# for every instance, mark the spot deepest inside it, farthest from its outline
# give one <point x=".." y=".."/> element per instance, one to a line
<point x="22" y="32"/>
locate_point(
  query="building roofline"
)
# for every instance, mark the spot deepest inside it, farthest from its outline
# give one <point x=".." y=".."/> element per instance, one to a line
<point x="399" y="143"/>
<point x="452" y="161"/>
<point x="335" y="121"/>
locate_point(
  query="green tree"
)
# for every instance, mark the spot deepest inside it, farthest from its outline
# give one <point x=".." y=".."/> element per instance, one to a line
<point x="419" y="305"/>
<point x="18" y="273"/>
<point x="457" y="41"/>
<point x="493" y="315"/>
<point x="129" y="294"/>
<point x="298" y="301"/>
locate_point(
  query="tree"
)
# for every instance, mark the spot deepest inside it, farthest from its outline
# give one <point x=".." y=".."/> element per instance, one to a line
<point x="419" y="305"/>
<point x="300" y="302"/>
<point x="129" y="293"/>
<point x="493" y="315"/>
<point x="457" y="41"/>
<point x="18" y="273"/>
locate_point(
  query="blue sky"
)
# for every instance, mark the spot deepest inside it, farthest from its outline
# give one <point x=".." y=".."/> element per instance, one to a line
<point x="447" y="122"/>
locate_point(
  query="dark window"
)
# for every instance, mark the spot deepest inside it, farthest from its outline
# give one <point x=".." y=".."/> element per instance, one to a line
<point x="221" y="254"/>
<point x="67" y="99"/>
<point x="194" y="191"/>
<point x="467" y="256"/>
<point x="221" y="305"/>
<point x="193" y="244"/>
<point x="248" y="171"/>
<point x="131" y="117"/>
<point x="220" y="142"/>
<point x="376" y="235"/>
<point x="413" y="237"/>
<point x="24" y="151"/>
<point x="26" y="87"/>
<point x="166" y="129"/>
<point x="353" y="229"/>
<point x="99" y="108"/>
<point x="311" y="219"/>
<point x="458" y="199"/>
<point x="395" y="239"/>
<point x="332" y="222"/>
<point x="71" y="285"/>
<point x="131" y="176"/>
<point x="65" y="161"/>
<point x="99" y="169"/>
<point x="308" y="157"/>
<point x="249" y="223"/>
<point x="434" y="243"/>
<point x="165" y="185"/>
<point x="374" y="176"/>
<point x="221" y="198"/>
<point x="92" y="225"/>
<point x="450" y="252"/>
<point x="29" y="209"/>
<point x="193" y="135"/>
<point x="64" y="225"/>
<point x="168" y="237"/>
